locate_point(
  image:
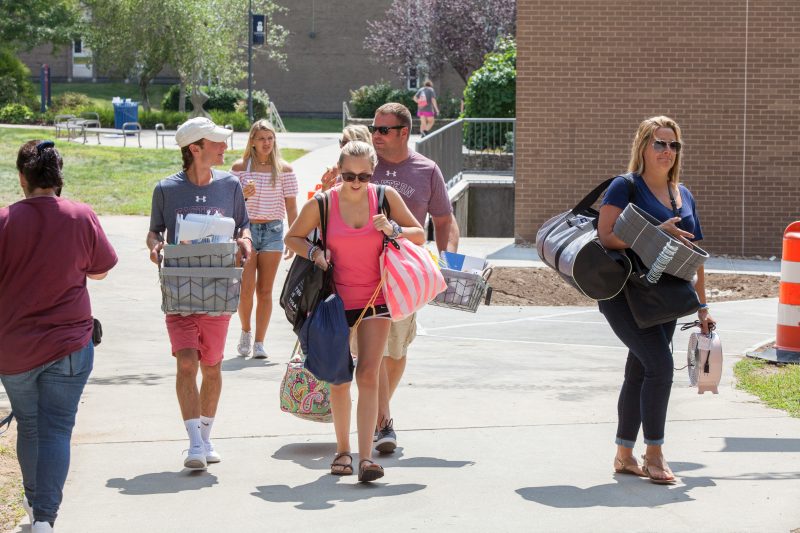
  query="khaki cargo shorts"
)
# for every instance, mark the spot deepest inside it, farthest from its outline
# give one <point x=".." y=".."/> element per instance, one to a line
<point x="401" y="334"/>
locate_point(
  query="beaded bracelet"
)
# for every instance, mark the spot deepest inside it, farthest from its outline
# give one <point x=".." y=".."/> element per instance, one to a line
<point x="397" y="230"/>
<point x="311" y="251"/>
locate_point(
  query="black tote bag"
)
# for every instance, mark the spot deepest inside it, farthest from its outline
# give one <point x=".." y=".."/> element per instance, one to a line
<point x="306" y="283"/>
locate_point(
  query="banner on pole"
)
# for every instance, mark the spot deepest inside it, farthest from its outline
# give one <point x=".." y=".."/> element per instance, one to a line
<point x="259" y="30"/>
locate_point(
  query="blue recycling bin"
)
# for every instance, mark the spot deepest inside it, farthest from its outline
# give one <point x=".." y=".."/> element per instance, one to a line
<point x="125" y="112"/>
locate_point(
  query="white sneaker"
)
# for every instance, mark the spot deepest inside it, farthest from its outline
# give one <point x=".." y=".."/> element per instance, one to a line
<point x="245" y="341"/>
<point x="41" y="527"/>
<point x="212" y="455"/>
<point x="258" y="351"/>
<point x="28" y="509"/>
<point x="196" y="458"/>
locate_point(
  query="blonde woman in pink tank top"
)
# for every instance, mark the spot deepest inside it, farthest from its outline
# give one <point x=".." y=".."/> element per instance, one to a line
<point x="270" y="190"/>
<point x="355" y="240"/>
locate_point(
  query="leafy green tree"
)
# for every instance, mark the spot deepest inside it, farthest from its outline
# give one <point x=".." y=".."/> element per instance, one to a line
<point x="200" y="39"/>
<point x="24" y="25"/>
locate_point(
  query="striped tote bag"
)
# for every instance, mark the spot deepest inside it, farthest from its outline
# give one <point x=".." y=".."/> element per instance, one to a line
<point x="411" y="278"/>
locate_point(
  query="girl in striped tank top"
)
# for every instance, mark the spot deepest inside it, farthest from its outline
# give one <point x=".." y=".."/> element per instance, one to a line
<point x="270" y="190"/>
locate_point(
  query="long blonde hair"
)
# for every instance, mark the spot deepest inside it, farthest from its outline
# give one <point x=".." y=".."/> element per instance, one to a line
<point x="275" y="160"/>
<point x="644" y="135"/>
<point x="357" y="132"/>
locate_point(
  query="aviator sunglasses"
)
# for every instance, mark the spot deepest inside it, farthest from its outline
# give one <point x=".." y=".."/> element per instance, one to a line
<point x="383" y="130"/>
<point x="350" y="177"/>
<point x="661" y="146"/>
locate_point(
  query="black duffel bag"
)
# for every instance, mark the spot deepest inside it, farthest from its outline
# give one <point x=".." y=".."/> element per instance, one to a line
<point x="306" y="283"/>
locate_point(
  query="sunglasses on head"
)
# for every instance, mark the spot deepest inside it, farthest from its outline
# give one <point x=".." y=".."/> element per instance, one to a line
<point x="383" y="130"/>
<point x="661" y="146"/>
<point x="343" y="141"/>
<point x="350" y="177"/>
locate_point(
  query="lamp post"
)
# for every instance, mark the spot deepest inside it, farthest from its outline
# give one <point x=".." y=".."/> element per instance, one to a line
<point x="250" y="60"/>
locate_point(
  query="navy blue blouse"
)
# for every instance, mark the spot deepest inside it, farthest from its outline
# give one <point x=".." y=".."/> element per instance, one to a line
<point x="618" y="193"/>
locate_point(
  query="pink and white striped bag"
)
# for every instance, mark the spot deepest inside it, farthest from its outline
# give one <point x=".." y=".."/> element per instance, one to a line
<point x="411" y="278"/>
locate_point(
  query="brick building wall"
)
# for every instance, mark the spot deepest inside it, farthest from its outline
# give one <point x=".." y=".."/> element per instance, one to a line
<point x="324" y="68"/>
<point x="726" y="70"/>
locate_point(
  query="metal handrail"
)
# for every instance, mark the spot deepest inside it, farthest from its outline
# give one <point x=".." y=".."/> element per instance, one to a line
<point x="345" y="114"/>
<point x="275" y="117"/>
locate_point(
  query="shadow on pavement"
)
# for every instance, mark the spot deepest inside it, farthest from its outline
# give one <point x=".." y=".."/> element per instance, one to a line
<point x="628" y="491"/>
<point x="163" y="482"/>
<point x="318" y="456"/>
<point x="745" y="444"/>
<point x="239" y="363"/>
<point x="326" y="491"/>
<point x="128" y="379"/>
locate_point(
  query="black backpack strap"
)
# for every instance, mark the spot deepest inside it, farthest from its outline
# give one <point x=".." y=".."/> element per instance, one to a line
<point x="322" y="203"/>
<point x="631" y="185"/>
<point x="383" y="202"/>
<point x="6" y="422"/>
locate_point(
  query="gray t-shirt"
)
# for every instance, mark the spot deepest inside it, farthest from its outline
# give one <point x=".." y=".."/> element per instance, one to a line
<point x="419" y="181"/>
<point x="176" y="195"/>
<point x="428" y="94"/>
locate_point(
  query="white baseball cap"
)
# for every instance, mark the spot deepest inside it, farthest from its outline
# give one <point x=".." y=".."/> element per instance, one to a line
<point x="198" y="128"/>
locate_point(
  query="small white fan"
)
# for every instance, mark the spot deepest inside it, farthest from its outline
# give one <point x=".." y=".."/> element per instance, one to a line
<point x="704" y="361"/>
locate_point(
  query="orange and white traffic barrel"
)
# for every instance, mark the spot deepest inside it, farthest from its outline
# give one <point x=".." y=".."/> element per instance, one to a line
<point x="787" y="338"/>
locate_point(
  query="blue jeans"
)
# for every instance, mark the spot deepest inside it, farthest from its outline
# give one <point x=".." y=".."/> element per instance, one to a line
<point x="44" y="402"/>
<point x="645" y="391"/>
<point x="267" y="236"/>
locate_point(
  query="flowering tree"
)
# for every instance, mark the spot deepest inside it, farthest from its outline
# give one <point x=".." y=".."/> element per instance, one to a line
<point x="435" y="33"/>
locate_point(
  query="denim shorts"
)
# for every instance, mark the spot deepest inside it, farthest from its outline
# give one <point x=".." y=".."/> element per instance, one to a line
<point x="267" y="237"/>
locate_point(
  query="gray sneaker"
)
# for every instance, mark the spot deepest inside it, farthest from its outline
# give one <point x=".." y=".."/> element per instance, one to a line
<point x="387" y="438"/>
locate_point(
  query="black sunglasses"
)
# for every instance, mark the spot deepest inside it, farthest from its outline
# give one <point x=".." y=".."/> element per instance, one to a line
<point x="342" y="142"/>
<point x="350" y="176"/>
<point x="383" y="130"/>
<point x="661" y="146"/>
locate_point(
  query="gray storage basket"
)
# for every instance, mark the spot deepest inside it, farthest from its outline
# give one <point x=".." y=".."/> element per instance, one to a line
<point x="464" y="290"/>
<point x="200" y="279"/>
<point x="640" y="231"/>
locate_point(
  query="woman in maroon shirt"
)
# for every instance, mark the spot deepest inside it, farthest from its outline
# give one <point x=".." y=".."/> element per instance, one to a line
<point x="48" y="247"/>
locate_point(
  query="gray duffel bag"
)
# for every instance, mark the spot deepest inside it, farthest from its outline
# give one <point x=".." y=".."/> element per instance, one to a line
<point x="568" y="244"/>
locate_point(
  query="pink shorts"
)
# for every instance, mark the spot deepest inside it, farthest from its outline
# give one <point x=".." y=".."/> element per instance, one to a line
<point x="425" y="113"/>
<point x="203" y="333"/>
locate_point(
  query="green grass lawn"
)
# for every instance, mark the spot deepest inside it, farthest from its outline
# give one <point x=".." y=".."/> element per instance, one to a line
<point x="312" y="125"/>
<point x="102" y="93"/>
<point x="776" y="385"/>
<point x="114" y="181"/>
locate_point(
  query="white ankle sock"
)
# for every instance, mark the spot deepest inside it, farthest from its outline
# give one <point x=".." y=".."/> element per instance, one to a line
<point x="205" y="428"/>
<point x="193" y="429"/>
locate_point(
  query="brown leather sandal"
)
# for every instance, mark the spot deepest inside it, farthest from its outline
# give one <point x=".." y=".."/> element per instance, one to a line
<point x="342" y="469"/>
<point x="659" y="465"/>
<point x="370" y="472"/>
<point x="628" y="466"/>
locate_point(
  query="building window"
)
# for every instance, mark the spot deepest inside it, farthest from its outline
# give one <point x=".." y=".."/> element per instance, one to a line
<point x="77" y="46"/>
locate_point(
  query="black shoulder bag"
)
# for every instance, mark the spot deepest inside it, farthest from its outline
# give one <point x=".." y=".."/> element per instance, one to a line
<point x="669" y="298"/>
<point x="306" y="283"/>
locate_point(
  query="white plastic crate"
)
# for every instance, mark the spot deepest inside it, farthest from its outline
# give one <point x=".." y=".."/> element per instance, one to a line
<point x="200" y="279"/>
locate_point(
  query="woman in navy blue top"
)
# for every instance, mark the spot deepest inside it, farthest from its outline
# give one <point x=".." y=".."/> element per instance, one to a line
<point x="655" y="164"/>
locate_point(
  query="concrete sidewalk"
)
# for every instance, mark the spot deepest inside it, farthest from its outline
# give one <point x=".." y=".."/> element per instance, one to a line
<point x="505" y="421"/>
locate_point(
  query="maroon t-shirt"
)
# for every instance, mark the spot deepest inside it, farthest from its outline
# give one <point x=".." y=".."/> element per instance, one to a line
<point x="47" y="247"/>
<point x="419" y="181"/>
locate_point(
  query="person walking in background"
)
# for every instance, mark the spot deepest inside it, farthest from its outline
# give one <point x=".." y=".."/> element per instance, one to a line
<point x="198" y="340"/>
<point x="46" y="325"/>
<point x="355" y="236"/>
<point x="656" y="164"/>
<point x="427" y="108"/>
<point x="421" y="185"/>
<point x="270" y="189"/>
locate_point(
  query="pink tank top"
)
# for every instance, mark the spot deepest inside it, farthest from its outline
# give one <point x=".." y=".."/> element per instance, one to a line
<point x="355" y="254"/>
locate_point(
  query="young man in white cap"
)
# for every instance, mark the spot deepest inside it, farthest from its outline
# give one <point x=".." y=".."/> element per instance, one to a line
<point x="198" y="340"/>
